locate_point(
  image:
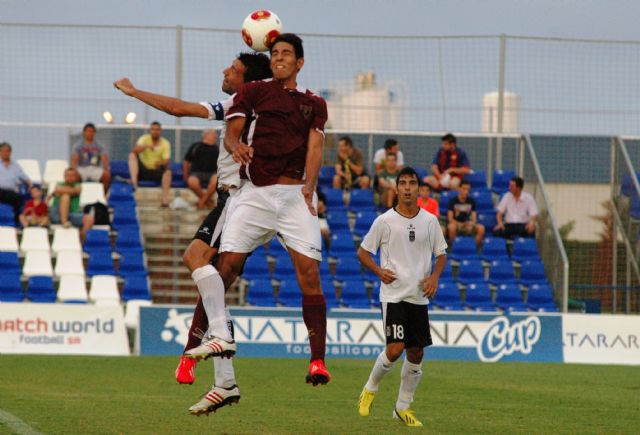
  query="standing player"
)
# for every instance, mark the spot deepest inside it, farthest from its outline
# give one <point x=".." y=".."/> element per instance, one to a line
<point x="407" y="237"/>
<point x="200" y="253"/>
<point x="281" y="151"/>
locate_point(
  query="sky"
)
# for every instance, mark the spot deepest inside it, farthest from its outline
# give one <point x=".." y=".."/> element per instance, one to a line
<point x="612" y="19"/>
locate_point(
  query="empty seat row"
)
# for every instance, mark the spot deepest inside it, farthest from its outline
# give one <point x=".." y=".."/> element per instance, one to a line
<point x="494" y="248"/>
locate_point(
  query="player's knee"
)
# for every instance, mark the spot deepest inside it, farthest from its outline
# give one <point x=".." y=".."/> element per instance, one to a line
<point x="415" y="355"/>
<point x="394" y="351"/>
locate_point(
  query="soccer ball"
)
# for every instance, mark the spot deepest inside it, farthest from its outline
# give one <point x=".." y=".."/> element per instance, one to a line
<point x="260" y="29"/>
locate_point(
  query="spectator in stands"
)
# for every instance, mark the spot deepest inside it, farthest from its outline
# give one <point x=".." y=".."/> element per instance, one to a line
<point x="517" y="212"/>
<point x="200" y="167"/>
<point x="322" y="217"/>
<point x="66" y="200"/>
<point x="461" y="215"/>
<point x="425" y="200"/>
<point x="11" y="177"/>
<point x="350" y="170"/>
<point x="150" y="160"/>
<point x="390" y="147"/>
<point x="90" y="158"/>
<point x="94" y="214"/>
<point x="387" y="181"/>
<point x="449" y="165"/>
<point x="35" y="211"/>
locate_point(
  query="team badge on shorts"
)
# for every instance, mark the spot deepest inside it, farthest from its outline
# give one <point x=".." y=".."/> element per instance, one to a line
<point x="412" y="233"/>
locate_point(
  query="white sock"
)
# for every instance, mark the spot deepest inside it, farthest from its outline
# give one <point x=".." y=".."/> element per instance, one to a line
<point x="211" y="290"/>
<point x="409" y="380"/>
<point x="225" y="376"/>
<point x="380" y="368"/>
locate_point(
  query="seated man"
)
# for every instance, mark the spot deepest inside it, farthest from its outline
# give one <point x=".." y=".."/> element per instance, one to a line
<point x="11" y="176"/>
<point x="200" y="167"/>
<point x="35" y="212"/>
<point x="66" y="200"/>
<point x="426" y="202"/>
<point x="90" y="158"/>
<point x="150" y="160"/>
<point x="449" y="165"/>
<point x="462" y="215"/>
<point x="350" y="170"/>
<point x="519" y="210"/>
<point x="390" y="146"/>
<point x="387" y="181"/>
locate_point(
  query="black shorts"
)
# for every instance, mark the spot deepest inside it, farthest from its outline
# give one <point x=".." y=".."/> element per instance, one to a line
<point x="211" y="228"/>
<point x="147" y="174"/>
<point x="406" y="323"/>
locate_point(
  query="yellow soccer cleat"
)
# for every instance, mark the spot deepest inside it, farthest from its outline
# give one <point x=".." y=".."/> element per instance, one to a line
<point x="407" y="416"/>
<point x="365" y="401"/>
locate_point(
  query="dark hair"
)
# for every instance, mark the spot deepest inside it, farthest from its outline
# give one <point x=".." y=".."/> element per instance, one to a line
<point x="449" y="138"/>
<point x="290" y="38"/>
<point x="519" y="182"/>
<point x="390" y="143"/>
<point x="155" y="123"/>
<point x="5" y="145"/>
<point x="89" y="125"/>
<point x="35" y="186"/>
<point x="407" y="170"/>
<point x="465" y="182"/>
<point x="258" y="66"/>
<point x="347" y="140"/>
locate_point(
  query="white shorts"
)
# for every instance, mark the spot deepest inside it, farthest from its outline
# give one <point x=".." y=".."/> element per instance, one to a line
<point x="256" y="214"/>
<point x="90" y="173"/>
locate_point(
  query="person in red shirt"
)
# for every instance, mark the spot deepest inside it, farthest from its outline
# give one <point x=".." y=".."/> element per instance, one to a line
<point x="426" y="202"/>
<point x="35" y="212"/>
<point x="275" y="130"/>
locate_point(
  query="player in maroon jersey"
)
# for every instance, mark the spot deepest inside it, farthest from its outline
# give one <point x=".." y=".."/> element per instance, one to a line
<point x="275" y="129"/>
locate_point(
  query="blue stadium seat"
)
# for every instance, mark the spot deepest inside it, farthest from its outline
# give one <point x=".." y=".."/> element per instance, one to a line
<point x="260" y="293"/>
<point x="100" y="263"/>
<point x="532" y="272"/>
<point x="464" y="248"/>
<point x="128" y="240"/>
<point x="364" y="220"/>
<point x="470" y="271"/>
<point x="443" y="201"/>
<point x="290" y="294"/>
<point x="354" y="294"/>
<point x="540" y="298"/>
<point x="509" y="298"/>
<point x="177" y="175"/>
<point x="375" y="294"/>
<point x="136" y="287"/>
<point x="276" y="249"/>
<point x="494" y="248"/>
<point x="121" y="193"/>
<point x="361" y="199"/>
<point x="348" y="268"/>
<point x="256" y="267"/>
<point x="634" y="210"/>
<point x="329" y="291"/>
<point x="524" y="249"/>
<point x="284" y="269"/>
<point x="422" y="172"/>
<point x="488" y="219"/>
<point x="484" y="201"/>
<point x="500" y="182"/>
<point x="325" y="270"/>
<point x="326" y="175"/>
<point x="120" y="169"/>
<point x="97" y="240"/>
<point x="338" y="220"/>
<point x="11" y="288"/>
<point x="6" y="216"/>
<point x="448" y="296"/>
<point x="9" y="263"/>
<point x="478" y="179"/>
<point x="447" y="273"/>
<point x="40" y="289"/>
<point x="341" y="244"/>
<point x="124" y="217"/>
<point x="479" y="297"/>
<point x="627" y="188"/>
<point x="501" y="272"/>
<point x="132" y="263"/>
<point x="334" y="198"/>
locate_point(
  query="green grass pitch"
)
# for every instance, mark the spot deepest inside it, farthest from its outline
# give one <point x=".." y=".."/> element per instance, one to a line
<point x="138" y="395"/>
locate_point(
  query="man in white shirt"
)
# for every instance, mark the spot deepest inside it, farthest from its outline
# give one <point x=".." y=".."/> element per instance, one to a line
<point x="407" y="237"/>
<point x="517" y="212"/>
<point x="390" y="147"/>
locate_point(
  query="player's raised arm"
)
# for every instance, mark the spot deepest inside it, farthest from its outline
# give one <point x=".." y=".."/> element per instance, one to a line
<point x="172" y="106"/>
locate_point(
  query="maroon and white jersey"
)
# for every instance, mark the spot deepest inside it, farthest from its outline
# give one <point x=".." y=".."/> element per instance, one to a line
<point x="279" y="121"/>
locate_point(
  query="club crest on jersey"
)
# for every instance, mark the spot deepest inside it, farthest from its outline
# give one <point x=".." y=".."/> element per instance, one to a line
<point x="306" y="110"/>
<point x="412" y="233"/>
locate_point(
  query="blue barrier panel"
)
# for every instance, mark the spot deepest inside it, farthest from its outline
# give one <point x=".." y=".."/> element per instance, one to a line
<point x="281" y="333"/>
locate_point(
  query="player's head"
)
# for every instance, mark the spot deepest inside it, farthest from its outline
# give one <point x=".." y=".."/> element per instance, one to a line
<point x="245" y="68"/>
<point x="287" y="56"/>
<point x="5" y="151"/>
<point x="465" y="188"/>
<point x="155" y="129"/>
<point x="391" y="146"/>
<point x="407" y="182"/>
<point x="449" y="141"/>
<point x="89" y="132"/>
<point x="516" y="185"/>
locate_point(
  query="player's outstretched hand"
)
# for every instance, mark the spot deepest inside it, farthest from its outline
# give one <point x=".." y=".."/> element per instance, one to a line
<point x="387" y="276"/>
<point x="429" y="286"/>
<point x="125" y="85"/>
<point x="307" y="192"/>
<point x="242" y="154"/>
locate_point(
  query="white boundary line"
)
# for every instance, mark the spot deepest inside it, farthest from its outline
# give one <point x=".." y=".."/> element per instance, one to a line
<point x="17" y="425"/>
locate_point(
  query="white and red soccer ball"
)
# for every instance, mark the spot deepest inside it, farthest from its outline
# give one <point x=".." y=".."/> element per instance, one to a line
<point x="260" y="29"/>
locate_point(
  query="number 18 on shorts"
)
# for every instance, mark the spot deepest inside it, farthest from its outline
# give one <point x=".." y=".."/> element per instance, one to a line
<point x="406" y="323"/>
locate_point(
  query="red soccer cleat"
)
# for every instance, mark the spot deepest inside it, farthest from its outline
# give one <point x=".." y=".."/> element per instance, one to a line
<point x="185" y="372"/>
<point x="318" y="373"/>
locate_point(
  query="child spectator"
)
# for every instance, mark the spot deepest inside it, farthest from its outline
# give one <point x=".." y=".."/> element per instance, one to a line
<point x="35" y="212"/>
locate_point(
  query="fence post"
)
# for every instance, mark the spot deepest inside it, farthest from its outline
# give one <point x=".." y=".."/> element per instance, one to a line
<point x="501" y="72"/>
<point x="178" y="153"/>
